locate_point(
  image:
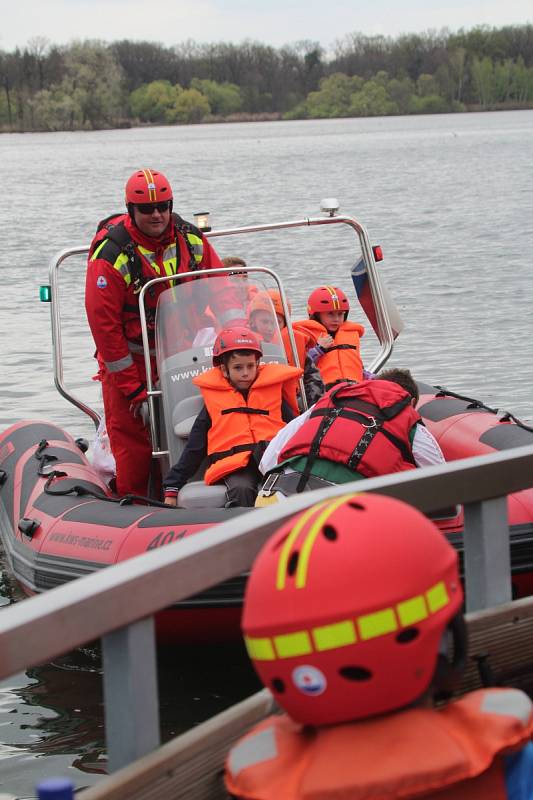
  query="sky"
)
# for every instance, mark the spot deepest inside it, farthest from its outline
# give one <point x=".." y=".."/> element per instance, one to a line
<point x="274" y="22"/>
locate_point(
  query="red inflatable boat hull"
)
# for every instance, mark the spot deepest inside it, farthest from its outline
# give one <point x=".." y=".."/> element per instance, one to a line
<point x="51" y="537"/>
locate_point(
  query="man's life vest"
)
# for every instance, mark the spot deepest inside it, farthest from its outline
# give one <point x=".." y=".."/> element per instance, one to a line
<point x="113" y="241"/>
<point x="364" y="426"/>
<point x="241" y="427"/>
<point x="452" y="753"/>
<point x="342" y="361"/>
<point x="114" y="244"/>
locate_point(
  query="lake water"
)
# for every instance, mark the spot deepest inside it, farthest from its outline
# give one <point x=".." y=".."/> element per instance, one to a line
<point x="449" y="199"/>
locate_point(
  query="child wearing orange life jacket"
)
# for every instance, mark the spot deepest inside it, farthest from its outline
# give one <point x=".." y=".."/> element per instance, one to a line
<point x="337" y="351"/>
<point x="355" y="640"/>
<point x="246" y="404"/>
<point x="261" y="320"/>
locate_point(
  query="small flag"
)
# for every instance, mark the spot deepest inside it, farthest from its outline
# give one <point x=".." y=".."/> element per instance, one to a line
<point x="364" y="295"/>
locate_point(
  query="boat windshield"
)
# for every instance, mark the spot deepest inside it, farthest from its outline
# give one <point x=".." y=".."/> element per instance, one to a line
<point x="188" y="317"/>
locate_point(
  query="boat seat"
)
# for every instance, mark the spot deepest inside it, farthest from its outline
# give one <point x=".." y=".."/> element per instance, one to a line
<point x="198" y="494"/>
<point x="185" y="413"/>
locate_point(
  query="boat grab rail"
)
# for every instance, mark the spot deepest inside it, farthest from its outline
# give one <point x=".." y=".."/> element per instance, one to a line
<point x="383" y="320"/>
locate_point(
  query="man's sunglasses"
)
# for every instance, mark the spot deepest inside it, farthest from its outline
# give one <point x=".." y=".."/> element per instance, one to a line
<point x="149" y="208"/>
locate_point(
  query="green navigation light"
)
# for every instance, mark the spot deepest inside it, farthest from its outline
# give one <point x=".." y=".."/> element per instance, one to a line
<point x="45" y="294"/>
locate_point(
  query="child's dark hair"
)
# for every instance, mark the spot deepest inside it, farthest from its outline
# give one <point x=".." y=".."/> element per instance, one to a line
<point x="403" y="378"/>
<point x="225" y="357"/>
<point x="233" y="261"/>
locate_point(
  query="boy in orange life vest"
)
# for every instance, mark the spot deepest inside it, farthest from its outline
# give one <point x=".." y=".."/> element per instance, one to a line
<point x="245" y="406"/>
<point x="350" y="612"/>
<point x="261" y="320"/>
<point x="336" y="352"/>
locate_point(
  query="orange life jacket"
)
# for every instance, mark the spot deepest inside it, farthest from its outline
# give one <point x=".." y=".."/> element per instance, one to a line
<point x="303" y="342"/>
<point x="342" y="361"/>
<point x="452" y="753"/>
<point x="239" y="426"/>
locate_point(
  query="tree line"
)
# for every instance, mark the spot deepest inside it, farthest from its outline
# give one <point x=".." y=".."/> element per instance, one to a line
<point x="91" y="84"/>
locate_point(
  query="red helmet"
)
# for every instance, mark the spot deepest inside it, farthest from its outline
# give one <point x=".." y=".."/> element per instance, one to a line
<point x="327" y="298"/>
<point x="346" y="607"/>
<point x="237" y="338"/>
<point x="147" y="186"/>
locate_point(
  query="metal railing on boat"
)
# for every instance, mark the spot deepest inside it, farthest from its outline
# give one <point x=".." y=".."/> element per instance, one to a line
<point x="117" y="604"/>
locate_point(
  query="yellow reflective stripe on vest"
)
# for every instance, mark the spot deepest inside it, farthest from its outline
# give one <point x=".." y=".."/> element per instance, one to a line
<point x="197" y="246"/>
<point x="121" y="265"/>
<point x="169" y="257"/>
<point x="349" y="631"/>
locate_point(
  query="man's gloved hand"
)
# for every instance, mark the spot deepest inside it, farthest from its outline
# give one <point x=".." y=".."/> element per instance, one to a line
<point x="139" y="407"/>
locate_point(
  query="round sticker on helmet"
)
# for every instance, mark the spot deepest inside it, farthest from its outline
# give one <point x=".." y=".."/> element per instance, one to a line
<point x="309" y="680"/>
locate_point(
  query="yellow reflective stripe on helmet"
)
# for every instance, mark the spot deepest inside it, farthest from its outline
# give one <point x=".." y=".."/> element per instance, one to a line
<point x="289" y="541"/>
<point x="289" y="645"/>
<point x="377" y="624"/>
<point x="334" y="297"/>
<point x="411" y="611"/>
<point x="150" y="185"/>
<point x="437" y="597"/>
<point x="316" y="527"/>
<point x="260" y="649"/>
<point x="348" y="631"/>
<point x="329" y="637"/>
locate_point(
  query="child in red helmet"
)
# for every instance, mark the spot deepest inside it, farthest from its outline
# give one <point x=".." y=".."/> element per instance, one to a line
<point x="245" y="406"/>
<point x="352" y="619"/>
<point x="263" y="310"/>
<point x="337" y="351"/>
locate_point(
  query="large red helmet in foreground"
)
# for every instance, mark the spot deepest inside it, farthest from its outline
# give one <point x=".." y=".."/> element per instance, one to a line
<point x="346" y="607"/>
<point x="147" y="186"/>
<point x="237" y="338"/>
<point x="327" y="298"/>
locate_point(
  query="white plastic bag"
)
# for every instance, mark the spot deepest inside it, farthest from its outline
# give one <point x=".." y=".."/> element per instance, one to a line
<point x="100" y="454"/>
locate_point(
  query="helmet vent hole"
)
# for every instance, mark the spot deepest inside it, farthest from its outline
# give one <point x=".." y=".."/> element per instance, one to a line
<point x="355" y="673"/>
<point x="330" y="533"/>
<point x="293" y="563"/>
<point x="357" y="506"/>
<point x="408" y="635"/>
<point x="278" y="685"/>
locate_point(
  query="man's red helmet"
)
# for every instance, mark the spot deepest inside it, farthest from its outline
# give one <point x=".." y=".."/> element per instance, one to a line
<point x="147" y="186"/>
<point x="346" y="607"/>
<point x="327" y="298"/>
<point x="237" y="338"/>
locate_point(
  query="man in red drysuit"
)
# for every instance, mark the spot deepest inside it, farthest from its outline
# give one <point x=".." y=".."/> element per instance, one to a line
<point x="128" y="250"/>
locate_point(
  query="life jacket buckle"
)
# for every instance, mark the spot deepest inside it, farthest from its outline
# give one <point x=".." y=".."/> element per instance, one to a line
<point x="373" y="424"/>
<point x="268" y="487"/>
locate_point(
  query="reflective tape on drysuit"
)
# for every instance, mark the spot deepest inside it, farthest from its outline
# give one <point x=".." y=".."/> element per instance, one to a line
<point x="349" y="631"/>
<point x="120" y="364"/>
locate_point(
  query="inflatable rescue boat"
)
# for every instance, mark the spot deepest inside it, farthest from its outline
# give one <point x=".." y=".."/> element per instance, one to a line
<point x="59" y="520"/>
